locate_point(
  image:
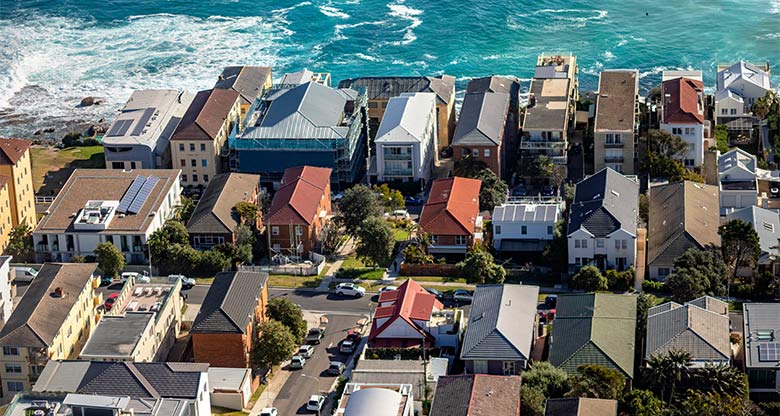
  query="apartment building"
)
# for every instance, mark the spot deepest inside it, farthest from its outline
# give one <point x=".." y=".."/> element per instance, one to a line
<point x="616" y="126"/>
<point x="7" y="292"/>
<point x="250" y="82"/>
<point x="15" y="164"/>
<point x="682" y="112"/>
<point x="6" y="216"/>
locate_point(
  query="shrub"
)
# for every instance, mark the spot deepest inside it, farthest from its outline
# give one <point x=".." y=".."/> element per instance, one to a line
<point x="360" y="273"/>
<point x="652" y="286"/>
<point x="735" y="338"/>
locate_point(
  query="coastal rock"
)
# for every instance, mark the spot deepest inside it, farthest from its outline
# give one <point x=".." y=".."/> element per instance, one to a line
<point x="48" y="130"/>
<point x="87" y="101"/>
<point x="38" y="132"/>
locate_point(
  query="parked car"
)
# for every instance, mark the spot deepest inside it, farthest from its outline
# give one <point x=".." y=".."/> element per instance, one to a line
<point x="519" y="190"/>
<point x="139" y="278"/>
<point x="347" y="347"/>
<point x="551" y="301"/>
<point x="186" y="282"/>
<point x="297" y="362"/>
<point x="461" y="295"/>
<point x="548" y="190"/>
<point x="306" y="351"/>
<point x="387" y="289"/>
<point x="315" y="403"/>
<point x="315" y="335"/>
<point x="399" y="213"/>
<point x="269" y="411"/>
<point x="24" y="274"/>
<point x="413" y="200"/>
<point x="350" y="289"/>
<point x="106" y="280"/>
<point x="110" y="301"/>
<point x="434" y="292"/>
<point x="336" y="368"/>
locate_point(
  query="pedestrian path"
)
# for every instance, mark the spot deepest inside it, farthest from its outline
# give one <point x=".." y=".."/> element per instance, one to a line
<point x="343" y="252"/>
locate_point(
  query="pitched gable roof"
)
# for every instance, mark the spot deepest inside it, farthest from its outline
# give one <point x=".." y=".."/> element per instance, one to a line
<point x="737" y="158"/>
<point x="594" y="328"/>
<point x="766" y="222"/>
<point x="580" y="406"/>
<point x="409" y="302"/>
<point x="12" y="150"/>
<point x="743" y="71"/>
<point x="406" y="118"/>
<point x="482" y="119"/>
<point x="700" y="327"/>
<point x="603" y="203"/>
<point x="477" y="394"/>
<point x="452" y="207"/>
<point x="297" y="200"/>
<point x="383" y="88"/>
<point x="682" y="215"/>
<point x="502" y="323"/>
<point x="494" y="83"/>
<point x="681" y="100"/>
<point x="215" y="213"/>
<point x="230" y="302"/>
<point x="40" y="314"/>
<point x="207" y="114"/>
<point x="247" y="80"/>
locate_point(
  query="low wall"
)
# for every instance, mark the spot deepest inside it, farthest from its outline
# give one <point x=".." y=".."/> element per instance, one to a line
<point x="449" y="270"/>
<point x="227" y="400"/>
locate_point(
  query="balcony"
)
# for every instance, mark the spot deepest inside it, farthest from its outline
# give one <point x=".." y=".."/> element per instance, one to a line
<point x="613" y="159"/>
<point x="405" y="173"/>
<point x="536" y="145"/>
<point x="618" y="145"/>
<point x="391" y="156"/>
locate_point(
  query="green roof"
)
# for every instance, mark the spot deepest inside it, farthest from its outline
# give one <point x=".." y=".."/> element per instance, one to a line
<point x="594" y="328"/>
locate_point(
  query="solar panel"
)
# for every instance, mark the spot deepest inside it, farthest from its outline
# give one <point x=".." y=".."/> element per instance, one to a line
<point x="139" y="128"/>
<point x="769" y="351"/>
<point x="113" y="131"/>
<point x="130" y="194"/>
<point x="143" y="194"/>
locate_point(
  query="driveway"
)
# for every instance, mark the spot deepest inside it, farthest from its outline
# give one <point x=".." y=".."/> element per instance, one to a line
<point x="312" y="379"/>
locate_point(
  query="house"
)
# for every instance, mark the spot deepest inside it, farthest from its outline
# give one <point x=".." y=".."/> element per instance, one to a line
<point x="501" y="330"/>
<point x="700" y="327"/>
<point x="64" y="404"/>
<point x="682" y="112"/>
<point x="484" y="130"/>
<point x="15" y="166"/>
<point x="199" y="144"/>
<point x="551" y="107"/>
<point x="51" y="322"/>
<point x="451" y="215"/>
<point x="683" y="215"/>
<point x="379" y="90"/>
<point x="580" y="406"/>
<point x="766" y="222"/>
<point x="616" y="125"/>
<point x="303" y="76"/>
<point x="139" y="137"/>
<point x="230" y="388"/>
<point x="409" y="316"/>
<point x="7" y="291"/>
<point x="594" y="328"/>
<point x="739" y="85"/>
<point x="524" y="226"/>
<point x="737" y="183"/>
<point x="116" y="206"/>
<point x="477" y="394"/>
<point x="406" y="148"/>
<point x="381" y="399"/>
<point x="299" y="211"/>
<point x="215" y="221"/>
<point x="603" y="221"/>
<point x="224" y="330"/>
<point x="138" y="381"/>
<point x="307" y="124"/>
<point x="250" y="82"/>
<point x="142" y="325"/>
<point x="762" y="349"/>
<point x="421" y="375"/>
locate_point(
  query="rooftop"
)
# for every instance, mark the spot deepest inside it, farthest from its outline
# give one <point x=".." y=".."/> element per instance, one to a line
<point x="700" y="327"/>
<point x="482" y="119"/>
<point x="548" y="100"/>
<point x="616" y="105"/>
<point x="762" y="335"/>
<point x="406" y="118"/>
<point x="206" y="115"/>
<point x="147" y="297"/>
<point x="383" y="88"/>
<point x="298" y="198"/>
<point x="383" y="399"/>
<point x="148" y="116"/>
<point x="526" y="212"/>
<point x="683" y="100"/>
<point x="452" y="207"/>
<point x="12" y="150"/>
<point x="410" y="302"/>
<point x="247" y="80"/>
<point x="230" y="302"/>
<point x="766" y="222"/>
<point x="605" y="202"/>
<point x="117" y="337"/>
<point x="477" y="394"/>
<point x="752" y="73"/>
<point x="215" y="213"/>
<point x="412" y="372"/>
<point x="60" y="404"/>
<point x="580" y="406"/>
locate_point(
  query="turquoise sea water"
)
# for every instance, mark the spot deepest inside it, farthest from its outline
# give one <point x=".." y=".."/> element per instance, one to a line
<point x="53" y="53"/>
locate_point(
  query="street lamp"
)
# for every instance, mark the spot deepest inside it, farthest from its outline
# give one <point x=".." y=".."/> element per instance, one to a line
<point x="316" y="380"/>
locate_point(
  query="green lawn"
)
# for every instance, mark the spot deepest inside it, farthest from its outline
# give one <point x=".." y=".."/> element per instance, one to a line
<point x="447" y="289"/>
<point x="436" y="279"/>
<point x="50" y="160"/>
<point x="352" y="262"/>
<point x="226" y="412"/>
<point x="400" y="234"/>
<point x="290" y="281"/>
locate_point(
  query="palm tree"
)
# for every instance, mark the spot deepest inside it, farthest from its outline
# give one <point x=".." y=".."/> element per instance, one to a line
<point x="667" y="372"/>
<point x="721" y="379"/>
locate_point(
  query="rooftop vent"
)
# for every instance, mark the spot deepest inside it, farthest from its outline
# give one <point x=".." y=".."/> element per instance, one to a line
<point x="59" y="292"/>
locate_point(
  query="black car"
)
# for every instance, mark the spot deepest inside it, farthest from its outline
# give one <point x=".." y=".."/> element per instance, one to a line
<point x="434" y="292"/>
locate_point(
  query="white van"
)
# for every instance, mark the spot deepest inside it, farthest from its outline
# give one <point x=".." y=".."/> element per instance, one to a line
<point x="24" y="274"/>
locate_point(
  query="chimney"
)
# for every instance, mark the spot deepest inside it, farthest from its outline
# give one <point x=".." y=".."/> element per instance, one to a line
<point x="59" y="292"/>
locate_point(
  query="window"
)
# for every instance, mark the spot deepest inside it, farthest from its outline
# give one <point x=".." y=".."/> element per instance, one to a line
<point x="664" y="271"/>
<point x="617" y="244"/>
<point x="549" y="229"/>
<point x="298" y="230"/>
<point x="204" y="163"/>
<point x="523" y="229"/>
<point x="183" y="163"/>
<point x="205" y="178"/>
<point x="372" y="104"/>
<point x="623" y="244"/>
<point x="117" y="165"/>
<point x="275" y="230"/>
<point x="183" y="177"/>
<point x="13" y="368"/>
<point x="14" y="386"/>
<point x="584" y="243"/>
<point x="132" y="165"/>
<point x="194" y="178"/>
<point x="509" y="368"/>
<point x="577" y="244"/>
<point x="733" y="111"/>
<point x="192" y="147"/>
<point x="203" y="147"/>
<point x="475" y="152"/>
<point x="460" y="240"/>
<point x="599" y="243"/>
<point x="434" y="239"/>
<point x="688" y="163"/>
<point x="181" y="147"/>
<point x="486" y="152"/>
<point x="498" y="229"/>
<point x="277" y="247"/>
<point x="193" y="163"/>
<point x="724" y="111"/>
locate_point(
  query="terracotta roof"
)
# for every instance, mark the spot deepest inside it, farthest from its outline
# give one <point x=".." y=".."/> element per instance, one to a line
<point x="683" y="104"/>
<point x="206" y="115"/>
<point x="477" y="394"/>
<point x="580" y="406"/>
<point x="214" y="213"/>
<point x="409" y="302"/>
<point x="452" y="207"/>
<point x="297" y="200"/>
<point x="13" y="150"/>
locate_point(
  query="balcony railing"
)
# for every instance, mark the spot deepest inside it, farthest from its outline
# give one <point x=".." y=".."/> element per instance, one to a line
<point x="391" y="156"/>
<point x="613" y="159"/>
<point x="613" y="145"/>
<point x="529" y="144"/>
<point x="398" y="172"/>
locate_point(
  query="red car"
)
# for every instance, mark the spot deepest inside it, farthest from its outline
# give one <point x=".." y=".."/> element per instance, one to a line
<point x="110" y="301"/>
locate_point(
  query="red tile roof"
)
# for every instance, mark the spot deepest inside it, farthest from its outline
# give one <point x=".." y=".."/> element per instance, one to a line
<point x="409" y="302"/>
<point x="452" y="207"/>
<point x="683" y="101"/>
<point x="298" y="199"/>
<point x="13" y="150"/>
<point x="206" y="115"/>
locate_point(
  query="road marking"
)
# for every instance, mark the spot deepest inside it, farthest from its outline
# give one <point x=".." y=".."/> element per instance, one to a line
<point x="330" y="345"/>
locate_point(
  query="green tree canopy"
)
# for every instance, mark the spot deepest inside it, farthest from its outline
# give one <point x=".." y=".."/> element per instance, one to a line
<point x="480" y="267"/>
<point x="549" y="379"/>
<point x="697" y="273"/>
<point x="110" y="260"/>
<point x="493" y="190"/>
<point x="619" y="281"/>
<point x="185" y="210"/>
<point x="358" y="204"/>
<point x="540" y="168"/>
<point x="247" y="211"/>
<point x="666" y="373"/>
<point x="468" y="167"/>
<point x="415" y="254"/>
<point x="276" y="343"/>
<point x="739" y="245"/>
<point x="211" y="262"/>
<point x="639" y="402"/>
<point x="391" y="198"/>
<point x="721" y="379"/>
<point x="20" y="243"/>
<point x="597" y="382"/>
<point x="664" y="157"/>
<point x="701" y="403"/>
<point x="289" y="314"/>
<point x="171" y="250"/>
<point x="588" y="278"/>
<point x="375" y="241"/>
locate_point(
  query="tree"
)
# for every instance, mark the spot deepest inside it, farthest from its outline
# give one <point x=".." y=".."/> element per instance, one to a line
<point x="247" y="211"/>
<point x="330" y="236"/>
<point x="722" y="138"/>
<point x="665" y="154"/>
<point x="739" y="245"/>
<point x="479" y="267"/>
<point x="619" y="281"/>
<point x="721" y="379"/>
<point x="110" y="260"/>
<point x="644" y="208"/>
<point x="541" y="168"/>
<point x="588" y="278"/>
<point x="551" y="381"/>
<point x="642" y="403"/>
<point x="20" y="243"/>
<point x="713" y="404"/>
<point x="185" y="210"/>
<point x="468" y="167"/>
<point x="171" y="250"/>
<point x="358" y="204"/>
<point x="275" y="344"/>
<point x="493" y="190"/>
<point x="666" y="373"/>
<point x="375" y="241"/>
<point x="392" y="199"/>
<point x="766" y="106"/>
<point x="696" y="273"/>
<point x="555" y="252"/>
<point x="173" y="232"/>
<point x="644" y="302"/>
<point x="597" y="382"/>
<point x="289" y="314"/>
<point x="245" y="239"/>
<point x="415" y="254"/>
<point x="212" y="262"/>
<point x="531" y="402"/>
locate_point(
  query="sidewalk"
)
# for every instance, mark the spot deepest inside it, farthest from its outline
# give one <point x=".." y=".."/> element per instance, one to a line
<point x="345" y="250"/>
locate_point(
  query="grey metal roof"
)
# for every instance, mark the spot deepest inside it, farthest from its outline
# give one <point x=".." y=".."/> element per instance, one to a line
<point x="247" y="80"/>
<point x="737" y="158"/>
<point x="385" y="87"/>
<point x="222" y="378"/>
<point x="703" y="332"/>
<point x="501" y="323"/>
<point x="526" y="212"/>
<point x="148" y="117"/>
<point x="482" y="119"/>
<point x="401" y="372"/>
<point x="743" y="70"/>
<point x="117" y="336"/>
<point x="406" y="118"/>
<point x="230" y="302"/>
<point x="494" y="83"/>
<point x="767" y="225"/>
<point x="762" y="326"/>
<point x="604" y="203"/>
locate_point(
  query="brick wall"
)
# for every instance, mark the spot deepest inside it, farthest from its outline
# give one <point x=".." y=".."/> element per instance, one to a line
<point x="220" y="350"/>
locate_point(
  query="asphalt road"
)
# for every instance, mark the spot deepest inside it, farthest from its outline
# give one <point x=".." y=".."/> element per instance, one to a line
<point x="312" y="379"/>
<point x="311" y="300"/>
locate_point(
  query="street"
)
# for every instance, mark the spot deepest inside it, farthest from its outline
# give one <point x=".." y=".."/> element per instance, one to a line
<point x="311" y="300"/>
<point x="312" y="379"/>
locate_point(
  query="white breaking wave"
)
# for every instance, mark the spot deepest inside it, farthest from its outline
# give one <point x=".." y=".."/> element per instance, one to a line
<point x="367" y="57"/>
<point x="331" y="11"/>
<point x="410" y="14"/>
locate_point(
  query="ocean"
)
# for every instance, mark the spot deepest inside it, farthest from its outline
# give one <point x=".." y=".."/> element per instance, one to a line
<point x="55" y="52"/>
